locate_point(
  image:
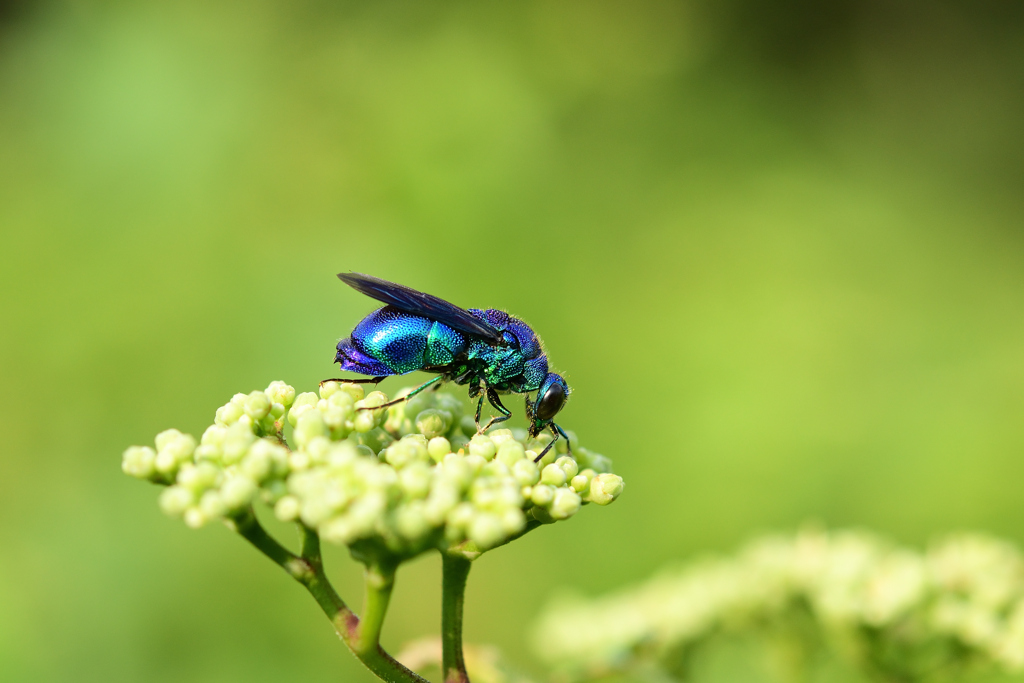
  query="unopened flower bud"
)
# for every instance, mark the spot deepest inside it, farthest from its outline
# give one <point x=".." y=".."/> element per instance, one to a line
<point x="433" y="423"/>
<point x="174" y="500"/>
<point x="485" y="530"/>
<point x="553" y="475"/>
<point x="257" y="405"/>
<point x="568" y="465"/>
<point x="542" y="495"/>
<point x="526" y="472"/>
<point x="356" y="391"/>
<point x="139" y="461"/>
<point x="604" y="488"/>
<point x="510" y="452"/>
<point x="287" y="509"/>
<point x="237" y="493"/>
<point x="310" y="425"/>
<point x="279" y="392"/>
<point x="566" y="504"/>
<point x="482" y="445"/>
<point x="438" y="447"/>
<point x="302" y="403"/>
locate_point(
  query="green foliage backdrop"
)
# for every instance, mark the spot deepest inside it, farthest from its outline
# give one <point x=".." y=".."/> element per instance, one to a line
<point x="776" y="249"/>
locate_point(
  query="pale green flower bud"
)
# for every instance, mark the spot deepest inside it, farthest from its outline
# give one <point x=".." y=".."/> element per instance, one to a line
<point x="411" y="522"/>
<point x="405" y="451"/>
<point x="277" y="411"/>
<point x="568" y="465"/>
<point x="604" y="488"/>
<point x="140" y="462"/>
<point x="468" y="426"/>
<point x="415" y="480"/>
<point x="552" y="475"/>
<point x="310" y="425"/>
<point x="475" y="462"/>
<point x="166" y="464"/>
<point x="441" y="501"/>
<point x="338" y="530"/>
<point x="486" y="530"/>
<point x="438" y="447"/>
<point x="257" y="405"/>
<point x="174" y="500"/>
<point x="526" y="472"/>
<point x="355" y="391"/>
<point x="237" y="493"/>
<point x="451" y="405"/>
<point x="457" y="471"/>
<point x="299" y="460"/>
<point x="287" y="509"/>
<point x="376" y="440"/>
<point x="212" y="505"/>
<point x="195" y="517"/>
<point x="510" y="452"/>
<point x="433" y="423"/>
<point x="327" y="389"/>
<point x="198" y="478"/>
<point x="228" y="414"/>
<point x="166" y="437"/>
<point x="208" y="453"/>
<point x="364" y="421"/>
<point x="461" y="515"/>
<point x="580" y="483"/>
<point x="513" y="521"/>
<point x="303" y="402"/>
<point x="482" y="445"/>
<point x="566" y="504"/>
<point x="542" y="495"/>
<point x="497" y="469"/>
<point x="179" y="446"/>
<point x="236" y="443"/>
<point x="279" y="392"/>
<point x="214" y="436"/>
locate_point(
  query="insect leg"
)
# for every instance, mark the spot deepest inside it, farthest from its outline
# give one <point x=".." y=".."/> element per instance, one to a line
<point x="370" y="380"/>
<point x="492" y="397"/>
<point x="479" y="409"/>
<point x="556" y="430"/>
<point x="428" y="383"/>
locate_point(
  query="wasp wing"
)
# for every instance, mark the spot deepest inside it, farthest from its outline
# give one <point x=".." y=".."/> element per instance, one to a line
<point x="418" y="303"/>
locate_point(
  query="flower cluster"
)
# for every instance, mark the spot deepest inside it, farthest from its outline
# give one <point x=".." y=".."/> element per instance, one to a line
<point x="397" y="480"/>
<point x="894" y="611"/>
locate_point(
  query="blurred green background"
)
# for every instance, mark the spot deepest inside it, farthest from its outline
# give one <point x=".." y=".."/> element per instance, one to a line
<point x="776" y="248"/>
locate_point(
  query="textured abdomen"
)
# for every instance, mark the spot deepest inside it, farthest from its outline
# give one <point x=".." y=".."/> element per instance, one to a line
<point x="400" y="343"/>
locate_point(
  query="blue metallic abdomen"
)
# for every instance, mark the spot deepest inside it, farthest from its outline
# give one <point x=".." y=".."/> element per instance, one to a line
<point x="391" y="342"/>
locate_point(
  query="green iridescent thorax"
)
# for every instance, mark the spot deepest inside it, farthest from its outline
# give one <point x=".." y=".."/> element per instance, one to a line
<point x="498" y="364"/>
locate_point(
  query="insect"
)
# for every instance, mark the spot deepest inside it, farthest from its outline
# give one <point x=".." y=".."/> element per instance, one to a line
<point x="488" y="350"/>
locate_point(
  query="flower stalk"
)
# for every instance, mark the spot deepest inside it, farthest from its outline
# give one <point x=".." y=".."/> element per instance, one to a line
<point x="455" y="572"/>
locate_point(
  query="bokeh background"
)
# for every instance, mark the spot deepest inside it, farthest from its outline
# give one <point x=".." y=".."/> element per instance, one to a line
<point x="777" y="249"/>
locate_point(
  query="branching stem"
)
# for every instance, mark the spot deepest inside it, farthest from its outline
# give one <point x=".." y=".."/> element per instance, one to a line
<point x="361" y="636"/>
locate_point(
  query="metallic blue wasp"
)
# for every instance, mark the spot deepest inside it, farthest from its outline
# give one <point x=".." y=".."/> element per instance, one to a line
<point x="488" y="350"/>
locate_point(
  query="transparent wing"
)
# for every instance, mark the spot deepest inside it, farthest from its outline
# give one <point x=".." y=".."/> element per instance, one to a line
<point x="417" y="303"/>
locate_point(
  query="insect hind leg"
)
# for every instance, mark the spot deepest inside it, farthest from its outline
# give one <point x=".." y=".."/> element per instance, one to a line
<point x="349" y="380"/>
<point x="395" y="402"/>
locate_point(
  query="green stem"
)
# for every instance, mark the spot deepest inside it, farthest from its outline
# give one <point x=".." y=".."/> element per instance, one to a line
<point x="308" y="569"/>
<point x="455" y="571"/>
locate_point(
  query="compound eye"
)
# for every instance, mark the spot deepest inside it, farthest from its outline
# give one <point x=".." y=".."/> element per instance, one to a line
<point x="551" y="402"/>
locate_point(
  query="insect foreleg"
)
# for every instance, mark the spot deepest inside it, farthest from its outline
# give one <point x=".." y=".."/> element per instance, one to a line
<point x="556" y="431"/>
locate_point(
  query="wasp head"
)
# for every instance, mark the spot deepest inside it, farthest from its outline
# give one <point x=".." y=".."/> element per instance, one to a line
<point x="551" y="396"/>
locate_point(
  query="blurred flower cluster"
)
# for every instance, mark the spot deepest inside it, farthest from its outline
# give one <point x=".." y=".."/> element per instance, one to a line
<point x="396" y="480"/>
<point x="896" y="613"/>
